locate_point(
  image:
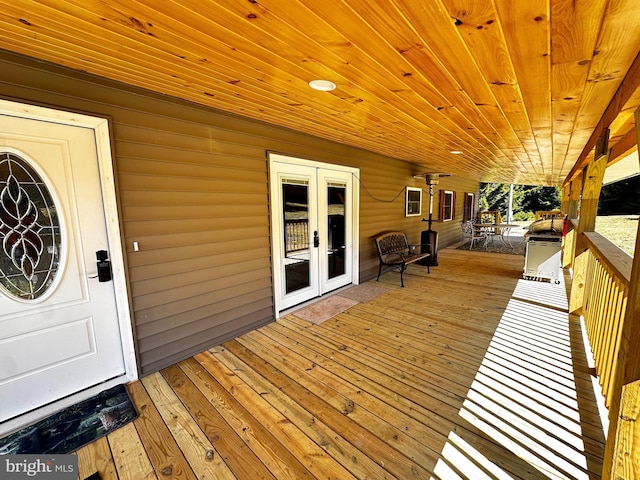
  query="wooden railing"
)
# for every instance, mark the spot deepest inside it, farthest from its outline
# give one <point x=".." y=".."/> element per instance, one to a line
<point x="296" y="234"/>
<point x="601" y="279"/>
<point x="601" y="291"/>
<point x="489" y="217"/>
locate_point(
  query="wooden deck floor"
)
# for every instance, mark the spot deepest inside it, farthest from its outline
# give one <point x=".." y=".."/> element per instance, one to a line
<point x="469" y="372"/>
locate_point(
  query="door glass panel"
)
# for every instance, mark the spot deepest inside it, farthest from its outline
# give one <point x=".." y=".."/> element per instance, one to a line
<point x="336" y="212"/>
<point x="29" y="230"/>
<point x="295" y="204"/>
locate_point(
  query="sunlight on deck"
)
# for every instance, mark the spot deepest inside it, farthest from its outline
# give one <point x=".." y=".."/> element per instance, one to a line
<point x="525" y="394"/>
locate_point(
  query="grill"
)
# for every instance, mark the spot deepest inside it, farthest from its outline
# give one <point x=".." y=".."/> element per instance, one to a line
<point x="543" y="250"/>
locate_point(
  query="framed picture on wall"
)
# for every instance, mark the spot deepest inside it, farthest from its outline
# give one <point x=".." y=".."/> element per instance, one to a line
<point x="413" y="202"/>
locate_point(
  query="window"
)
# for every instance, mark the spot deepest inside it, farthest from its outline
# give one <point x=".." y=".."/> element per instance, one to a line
<point x="469" y="206"/>
<point x="447" y="205"/>
<point x="413" y="204"/>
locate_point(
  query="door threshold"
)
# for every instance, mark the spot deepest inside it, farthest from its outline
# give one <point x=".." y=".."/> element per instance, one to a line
<point x="302" y="305"/>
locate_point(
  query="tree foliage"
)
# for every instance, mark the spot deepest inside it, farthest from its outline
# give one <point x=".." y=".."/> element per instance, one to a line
<point x="620" y="198"/>
<point x="527" y="199"/>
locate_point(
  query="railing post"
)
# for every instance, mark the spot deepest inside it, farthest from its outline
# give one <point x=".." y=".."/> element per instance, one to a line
<point x="628" y="356"/>
<point x="579" y="283"/>
<point x="626" y="454"/>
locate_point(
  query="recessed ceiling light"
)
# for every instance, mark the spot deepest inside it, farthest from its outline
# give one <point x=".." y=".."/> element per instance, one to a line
<point x="456" y="152"/>
<point x="322" y="85"/>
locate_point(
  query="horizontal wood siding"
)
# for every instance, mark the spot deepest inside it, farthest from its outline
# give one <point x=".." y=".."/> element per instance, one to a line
<point x="381" y="185"/>
<point x="451" y="232"/>
<point x="193" y="192"/>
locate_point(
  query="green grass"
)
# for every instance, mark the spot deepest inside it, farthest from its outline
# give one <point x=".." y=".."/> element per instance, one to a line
<point x="620" y="229"/>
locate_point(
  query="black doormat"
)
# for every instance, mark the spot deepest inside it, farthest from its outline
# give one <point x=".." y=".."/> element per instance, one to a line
<point x="75" y="426"/>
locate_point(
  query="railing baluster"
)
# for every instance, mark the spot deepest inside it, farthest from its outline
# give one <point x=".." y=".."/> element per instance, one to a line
<point x="296" y="235"/>
<point x="606" y="289"/>
<point x="616" y="323"/>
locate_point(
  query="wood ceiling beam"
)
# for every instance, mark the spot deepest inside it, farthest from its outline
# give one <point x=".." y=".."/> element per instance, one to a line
<point x="627" y="88"/>
<point x="623" y="147"/>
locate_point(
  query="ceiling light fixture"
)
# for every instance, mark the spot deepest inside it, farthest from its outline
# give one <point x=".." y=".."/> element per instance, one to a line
<point x="456" y="152"/>
<point x="322" y="85"/>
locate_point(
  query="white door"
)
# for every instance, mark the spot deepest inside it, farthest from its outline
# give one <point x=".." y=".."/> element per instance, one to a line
<point x="59" y="324"/>
<point x="314" y="210"/>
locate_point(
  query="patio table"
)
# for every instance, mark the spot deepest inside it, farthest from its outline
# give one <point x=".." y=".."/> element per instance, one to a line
<point x="500" y="229"/>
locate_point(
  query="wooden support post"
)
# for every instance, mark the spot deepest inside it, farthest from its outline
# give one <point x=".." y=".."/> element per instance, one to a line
<point x="574" y="189"/>
<point x="567" y="254"/>
<point x="574" y="198"/>
<point x="566" y="194"/>
<point x="631" y="331"/>
<point x="629" y="364"/>
<point x="591" y="186"/>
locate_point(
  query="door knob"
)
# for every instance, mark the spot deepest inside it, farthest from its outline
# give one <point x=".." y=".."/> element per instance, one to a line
<point x="316" y="239"/>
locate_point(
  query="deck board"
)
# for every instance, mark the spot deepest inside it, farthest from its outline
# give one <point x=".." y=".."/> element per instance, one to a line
<point x="465" y="373"/>
<point x="197" y="449"/>
<point x="163" y="451"/>
<point x="97" y="457"/>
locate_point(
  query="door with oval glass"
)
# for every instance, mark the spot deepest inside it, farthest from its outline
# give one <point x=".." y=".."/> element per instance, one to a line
<point x="314" y="209"/>
<point x="59" y="320"/>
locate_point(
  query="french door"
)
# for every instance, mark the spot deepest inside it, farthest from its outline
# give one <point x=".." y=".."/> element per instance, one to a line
<point x="314" y="228"/>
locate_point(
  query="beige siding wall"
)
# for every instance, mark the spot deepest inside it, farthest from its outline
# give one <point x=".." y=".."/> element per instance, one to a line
<point x="193" y="192"/>
<point x="450" y="232"/>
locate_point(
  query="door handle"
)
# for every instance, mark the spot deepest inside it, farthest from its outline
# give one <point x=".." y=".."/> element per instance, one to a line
<point x="104" y="266"/>
<point x="316" y="239"/>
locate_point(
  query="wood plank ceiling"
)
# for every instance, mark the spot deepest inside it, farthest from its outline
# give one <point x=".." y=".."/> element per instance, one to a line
<point x="516" y="86"/>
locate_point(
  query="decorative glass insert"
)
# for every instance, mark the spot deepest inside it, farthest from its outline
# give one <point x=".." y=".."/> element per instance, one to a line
<point x="30" y="237"/>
